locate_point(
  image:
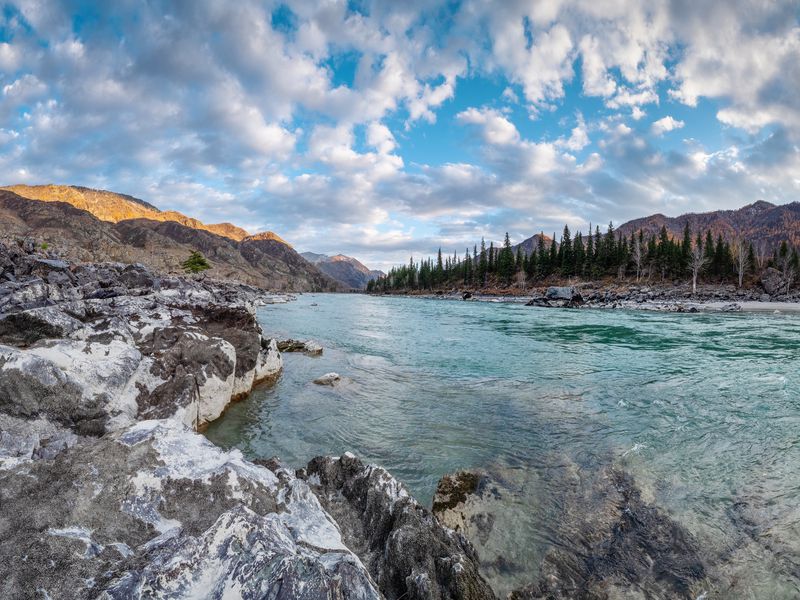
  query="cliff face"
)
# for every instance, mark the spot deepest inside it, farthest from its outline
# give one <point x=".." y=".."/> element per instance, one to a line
<point x="263" y="260"/>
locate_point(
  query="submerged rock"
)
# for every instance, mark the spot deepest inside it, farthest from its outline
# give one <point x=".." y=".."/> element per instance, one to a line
<point x="328" y="379"/>
<point x="607" y="542"/>
<point x="309" y="347"/>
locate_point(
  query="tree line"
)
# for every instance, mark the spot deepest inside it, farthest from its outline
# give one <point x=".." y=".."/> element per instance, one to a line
<point x="596" y="256"/>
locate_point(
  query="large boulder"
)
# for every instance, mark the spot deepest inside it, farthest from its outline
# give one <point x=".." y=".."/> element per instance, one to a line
<point x="568" y="293"/>
<point x="407" y="552"/>
<point x="773" y="282"/>
<point x="158" y="511"/>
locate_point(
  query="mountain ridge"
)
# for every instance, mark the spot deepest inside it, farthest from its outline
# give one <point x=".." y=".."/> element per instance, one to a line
<point x="758" y="222"/>
<point x="263" y="260"/>
<point x="115" y="207"/>
<point x="350" y="271"/>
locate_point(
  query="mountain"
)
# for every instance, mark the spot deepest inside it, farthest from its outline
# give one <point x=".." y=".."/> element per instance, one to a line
<point x="345" y="269"/>
<point x="263" y="260"/>
<point x="532" y="244"/>
<point x="114" y="207"/>
<point x="760" y="222"/>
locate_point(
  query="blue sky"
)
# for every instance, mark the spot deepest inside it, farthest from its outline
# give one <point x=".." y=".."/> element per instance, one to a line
<point x="382" y="129"/>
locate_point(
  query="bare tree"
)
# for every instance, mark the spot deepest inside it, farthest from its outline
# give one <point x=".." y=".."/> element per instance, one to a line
<point x="522" y="279"/>
<point x="637" y="256"/>
<point x="697" y="261"/>
<point x="740" y="258"/>
<point x="761" y="254"/>
<point x="787" y="267"/>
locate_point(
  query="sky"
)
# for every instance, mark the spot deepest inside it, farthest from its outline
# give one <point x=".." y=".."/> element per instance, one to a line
<point x="386" y="129"/>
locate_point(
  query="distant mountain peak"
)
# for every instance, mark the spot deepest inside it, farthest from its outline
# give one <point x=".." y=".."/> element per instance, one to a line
<point x="346" y="269"/>
<point x="758" y="206"/>
<point x="268" y="235"/>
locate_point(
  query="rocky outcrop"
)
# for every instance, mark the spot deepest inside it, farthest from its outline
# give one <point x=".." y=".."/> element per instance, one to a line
<point x="406" y="550"/>
<point x="105" y="345"/>
<point x="155" y="510"/>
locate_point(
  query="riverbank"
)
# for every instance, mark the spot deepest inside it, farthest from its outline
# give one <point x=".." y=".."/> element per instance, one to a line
<point x="107" y="373"/>
<point x="664" y="298"/>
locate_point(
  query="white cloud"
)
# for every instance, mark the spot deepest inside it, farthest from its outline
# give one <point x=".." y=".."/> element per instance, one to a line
<point x="495" y="128"/>
<point x="259" y="117"/>
<point x="666" y="124"/>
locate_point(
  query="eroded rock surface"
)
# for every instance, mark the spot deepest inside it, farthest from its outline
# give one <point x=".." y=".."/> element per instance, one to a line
<point x="407" y="551"/>
<point x="156" y="510"/>
<point x="104" y="345"/>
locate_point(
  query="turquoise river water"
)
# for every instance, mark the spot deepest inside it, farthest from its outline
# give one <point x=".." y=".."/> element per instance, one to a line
<point x="703" y="410"/>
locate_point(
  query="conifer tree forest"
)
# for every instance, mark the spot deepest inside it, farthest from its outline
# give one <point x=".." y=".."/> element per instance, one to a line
<point x="596" y="256"/>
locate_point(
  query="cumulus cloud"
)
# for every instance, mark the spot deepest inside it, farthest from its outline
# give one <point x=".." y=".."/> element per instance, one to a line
<point x="666" y="124"/>
<point x="495" y="127"/>
<point x="222" y="111"/>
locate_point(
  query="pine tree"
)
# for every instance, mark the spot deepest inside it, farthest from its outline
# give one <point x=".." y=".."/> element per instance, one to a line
<point x="196" y="263"/>
<point x="541" y="257"/>
<point x="483" y="264"/>
<point x="686" y="248"/>
<point x="505" y="262"/>
<point x="565" y="252"/>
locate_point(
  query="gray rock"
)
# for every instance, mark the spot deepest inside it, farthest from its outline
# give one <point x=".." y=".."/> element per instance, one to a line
<point x="560" y="293"/>
<point x="158" y="511"/>
<point x="773" y="282"/>
<point x="328" y="379"/>
<point x="309" y="347"/>
<point x="407" y="552"/>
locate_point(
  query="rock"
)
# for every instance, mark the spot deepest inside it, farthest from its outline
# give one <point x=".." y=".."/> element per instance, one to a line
<point x="407" y="552"/>
<point x="466" y="296"/>
<point x="560" y="293"/>
<point x="541" y="302"/>
<point x="773" y="282"/>
<point x="608" y="541"/>
<point x="452" y="493"/>
<point x="26" y="327"/>
<point x="270" y="362"/>
<point x="158" y="511"/>
<point x="309" y="347"/>
<point x="328" y="379"/>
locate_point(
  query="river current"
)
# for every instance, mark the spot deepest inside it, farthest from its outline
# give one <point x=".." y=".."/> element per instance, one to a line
<point x="702" y="409"/>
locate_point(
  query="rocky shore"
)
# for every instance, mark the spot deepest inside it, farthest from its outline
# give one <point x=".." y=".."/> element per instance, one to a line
<point x="769" y="295"/>
<point x="107" y="373"/>
<point x="107" y="490"/>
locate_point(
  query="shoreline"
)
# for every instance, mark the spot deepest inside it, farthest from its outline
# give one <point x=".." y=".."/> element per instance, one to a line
<point x="677" y="304"/>
<point x="108" y="374"/>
